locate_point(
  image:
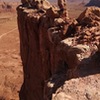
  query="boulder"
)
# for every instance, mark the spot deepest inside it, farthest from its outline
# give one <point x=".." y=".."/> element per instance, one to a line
<point x="90" y="17"/>
<point x="52" y="13"/>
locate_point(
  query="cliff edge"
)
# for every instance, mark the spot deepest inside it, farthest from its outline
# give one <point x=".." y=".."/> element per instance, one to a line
<point x="60" y="56"/>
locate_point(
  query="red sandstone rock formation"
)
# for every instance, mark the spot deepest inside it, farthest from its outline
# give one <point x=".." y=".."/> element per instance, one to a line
<point x="90" y="17"/>
<point x="51" y="53"/>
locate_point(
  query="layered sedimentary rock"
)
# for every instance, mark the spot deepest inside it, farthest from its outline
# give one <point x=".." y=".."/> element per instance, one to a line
<point x="53" y="48"/>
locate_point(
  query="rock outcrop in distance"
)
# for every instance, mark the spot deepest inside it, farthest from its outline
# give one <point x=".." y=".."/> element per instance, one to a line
<point x="55" y="49"/>
<point x="94" y="3"/>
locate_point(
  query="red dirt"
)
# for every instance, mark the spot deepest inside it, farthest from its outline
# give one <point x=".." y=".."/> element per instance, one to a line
<point x="10" y="63"/>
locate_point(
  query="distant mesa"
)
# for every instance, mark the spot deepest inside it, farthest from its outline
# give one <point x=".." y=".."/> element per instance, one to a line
<point x="94" y="3"/>
<point x="77" y="0"/>
<point x="73" y="0"/>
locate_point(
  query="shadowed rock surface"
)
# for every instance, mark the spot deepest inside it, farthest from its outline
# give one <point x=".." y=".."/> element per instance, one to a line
<point x="54" y="49"/>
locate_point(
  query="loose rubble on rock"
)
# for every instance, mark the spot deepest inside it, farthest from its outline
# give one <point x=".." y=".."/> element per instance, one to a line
<point x="55" y="49"/>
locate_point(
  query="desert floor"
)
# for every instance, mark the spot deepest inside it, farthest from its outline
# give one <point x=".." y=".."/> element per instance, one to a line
<point x="10" y="62"/>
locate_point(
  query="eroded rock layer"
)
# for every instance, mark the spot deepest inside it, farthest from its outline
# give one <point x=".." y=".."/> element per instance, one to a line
<point x="55" y="49"/>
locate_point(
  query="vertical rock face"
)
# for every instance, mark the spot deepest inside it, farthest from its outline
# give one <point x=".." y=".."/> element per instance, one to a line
<point x="35" y="46"/>
<point x="49" y="55"/>
<point x="29" y="36"/>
